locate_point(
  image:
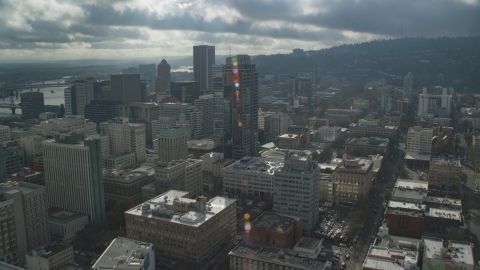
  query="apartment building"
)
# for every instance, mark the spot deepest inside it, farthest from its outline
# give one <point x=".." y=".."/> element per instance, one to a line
<point x="251" y="176"/>
<point x="183" y="175"/>
<point x="124" y="185"/>
<point x="444" y="174"/>
<point x="125" y="137"/>
<point x="126" y="254"/>
<point x="435" y="101"/>
<point x="316" y="122"/>
<point x="29" y="210"/>
<point x="353" y="180"/>
<point x="360" y="130"/>
<point x="419" y="140"/>
<point x="296" y="188"/>
<point x="4" y="134"/>
<point x="189" y="230"/>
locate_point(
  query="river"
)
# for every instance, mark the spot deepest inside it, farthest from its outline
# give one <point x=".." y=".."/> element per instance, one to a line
<point x="49" y="98"/>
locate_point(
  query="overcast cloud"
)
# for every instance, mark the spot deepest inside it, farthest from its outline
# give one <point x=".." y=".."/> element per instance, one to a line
<point x="72" y="29"/>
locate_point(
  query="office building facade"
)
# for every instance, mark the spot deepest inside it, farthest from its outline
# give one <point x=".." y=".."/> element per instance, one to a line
<point x="32" y="105"/>
<point x="125" y="88"/>
<point x="186" y="92"/>
<point x="296" y="189"/>
<point x="172" y="144"/>
<point x="203" y="59"/>
<point x="162" y="84"/>
<point x="73" y="175"/>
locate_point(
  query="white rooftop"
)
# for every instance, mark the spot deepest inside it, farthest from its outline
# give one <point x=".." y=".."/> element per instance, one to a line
<point x="459" y="252"/>
<point x="380" y="264"/>
<point x="444" y="213"/>
<point x="406" y="205"/>
<point x="256" y="165"/>
<point x="123" y="253"/>
<point x="413" y="184"/>
<point x="163" y="207"/>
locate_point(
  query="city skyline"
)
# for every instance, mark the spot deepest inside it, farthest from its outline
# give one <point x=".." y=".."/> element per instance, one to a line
<point x="142" y="29"/>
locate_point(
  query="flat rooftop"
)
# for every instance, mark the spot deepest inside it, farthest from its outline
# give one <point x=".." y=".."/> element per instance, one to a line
<point x="444" y="213"/>
<point x="256" y="165"/>
<point x="459" y="252"/>
<point x="444" y="201"/>
<point x="51" y="250"/>
<point x="123" y="253"/>
<point x="406" y="205"/>
<point x="308" y="243"/>
<point x="285" y="257"/>
<point x="361" y="165"/>
<point x="380" y="264"/>
<point x="123" y="177"/>
<point x="61" y="216"/>
<point x="445" y="162"/>
<point x="13" y="186"/>
<point x="415" y="156"/>
<point x="404" y="212"/>
<point x="275" y="222"/>
<point x="289" y="136"/>
<point x="414" y="190"/>
<point x="369" y="141"/>
<point x="203" y="144"/>
<point x="161" y="208"/>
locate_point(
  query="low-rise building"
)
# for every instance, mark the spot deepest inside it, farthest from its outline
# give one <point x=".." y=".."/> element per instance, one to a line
<point x="53" y="256"/>
<point x="308" y="247"/>
<point x="251" y="176"/>
<point x="413" y="191"/>
<point x="394" y="118"/>
<point x="315" y="122"/>
<point x="445" y="174"/>
<point x="71" y="123"/>
<point x="183" y="175"/>
<point x="327" y="134"/>
<point x="366" y="146"/>
<point x="257" y="257"/>
<point x="169" y="218"/>
<point x="65" y="224"/>
<point x="274" y="230"/>
<point x="120" y="161"/>
<point x="290" y="141"/>
<point x="202" y="147"/>
<point x="449" y="254"/>
<point x="405" y="218"/>
<point x="353" y="180"/>
<point x="124" y="185"/>
<point x="360" y="130"/>
<point x="126" y="254"/>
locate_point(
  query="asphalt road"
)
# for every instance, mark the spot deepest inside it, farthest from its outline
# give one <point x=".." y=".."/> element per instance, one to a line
<point x="359" y="251"/>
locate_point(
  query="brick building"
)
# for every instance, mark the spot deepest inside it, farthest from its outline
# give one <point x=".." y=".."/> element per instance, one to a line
<point x="275" y="230"/>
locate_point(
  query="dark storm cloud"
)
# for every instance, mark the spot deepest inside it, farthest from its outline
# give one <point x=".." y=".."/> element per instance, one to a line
<point x="428" y="18"/>
<point x="261" y="22"/>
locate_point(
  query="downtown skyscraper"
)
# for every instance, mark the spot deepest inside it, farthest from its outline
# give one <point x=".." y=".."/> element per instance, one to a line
<point x="241" y="81"/>
<point x="203" y="59"/>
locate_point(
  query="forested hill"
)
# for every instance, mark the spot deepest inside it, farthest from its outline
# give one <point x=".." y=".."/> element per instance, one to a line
<point x="450" y="62"/>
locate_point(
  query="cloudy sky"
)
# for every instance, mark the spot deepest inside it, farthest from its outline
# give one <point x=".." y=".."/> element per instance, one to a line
<point x="78" y="29"/>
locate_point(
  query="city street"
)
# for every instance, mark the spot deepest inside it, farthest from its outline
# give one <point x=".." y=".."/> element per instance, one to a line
<point x="358" y="252"/>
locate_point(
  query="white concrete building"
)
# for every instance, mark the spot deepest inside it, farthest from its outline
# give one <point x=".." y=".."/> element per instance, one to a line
<point x="296" y="189"/>
<point x="73" y="123"/>
<point x="279" y="125"/>
<point x="69" y="106"/>
<point x="125" y="137"/>
<point x="65" y="224"/>
<point x="251" y="176"/>
<point x="4" y="134"/>
<point x="436" y="104"/>
<point x="126" y="254"/>
<point x="327" y="134"/>
<point x="419" y="140"/>
<point x="163" y="123"/>
<point x="73" y="175"/>
<point x="32" y="145"/>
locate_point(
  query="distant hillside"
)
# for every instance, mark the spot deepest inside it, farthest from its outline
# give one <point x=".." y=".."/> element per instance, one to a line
<point x="450" y="62"/>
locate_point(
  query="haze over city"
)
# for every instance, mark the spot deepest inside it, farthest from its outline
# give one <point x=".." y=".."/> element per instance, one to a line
<point x="67" y="29"/>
